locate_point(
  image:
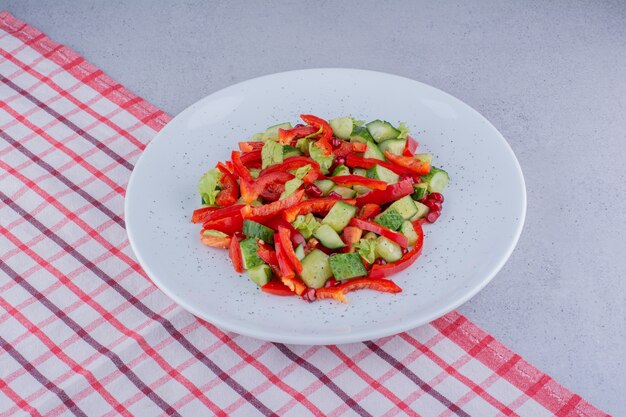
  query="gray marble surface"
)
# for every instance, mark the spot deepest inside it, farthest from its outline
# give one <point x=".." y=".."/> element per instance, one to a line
<point x="551" y="76"/>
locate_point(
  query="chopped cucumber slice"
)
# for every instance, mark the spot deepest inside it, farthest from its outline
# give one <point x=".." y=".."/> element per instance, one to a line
<point x="370" y="235"/>
<point x="300" y="252"/>
<point x="341" y="170"/>
<point x="328" y="237"/>
<point x="405" y="207"/>
<point x="260" y="274"/>
<point x="289" y="151"/>
<point x="257" y="230"/>
<point x="381" y="130"/>
<point x="361" y="189"/>
<point x="339" y="216"/>
<point x="422" y="211"/>
<point x="315" y="269"/>
<point x="344" y="192"/>
<point x="346" y="266"/>
<point x="420" y="191"/>
<point x="437" y="180"/>
<point x="306" y="224"/>
<point x="249" y="253"/>
<point x="271" y="133"/>
<point x="381" y="173"/>
<point x="342" y="127"/>
<point x="390" y="219"/>
<point x="408" y="230"/>
<point x="394" y="146"/>
<point x="373" y="151"/>
<point x="361" y="134"/>
<point x="388" y="250"/>
<point x="325" y="186"/>
<point x="360" y="171"/>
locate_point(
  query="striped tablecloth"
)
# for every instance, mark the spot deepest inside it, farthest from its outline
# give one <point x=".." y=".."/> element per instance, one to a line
<point x="84" y="332"/>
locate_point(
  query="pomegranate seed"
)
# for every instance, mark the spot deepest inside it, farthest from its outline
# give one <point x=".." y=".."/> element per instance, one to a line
<point x="380" y="261"/>
<point x="333" y="194"/>
<point x="240" y="236"/>
<point x="330" y="283"/>
<point x="432" y="205"/>
<point x="313" y="190"/>
<point x="340" y="160"/>
<point x="309" y="295"/>
<point x="432" y="216"/>
<point x="335" y="142"/>
<point x="299" y="125"/>
<point x="438" y="197"/>
<point x="405" y="251"/>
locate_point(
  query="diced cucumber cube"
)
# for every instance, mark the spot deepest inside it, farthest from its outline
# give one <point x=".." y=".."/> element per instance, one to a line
<point x="289" y="151"/>
<point x="422" y="211"/>
<point x="346" y="266"/>
<point x="362" y="172"/>
<point x="315" y="269"/>
<point x="249" y="253"/>
<point x="340" y="170"/>
<point x="361" y="134"/>
<point x="339" y="216"/>
<point x="388" y="250"/>
<point x="408" y="230"/>
<point x="328" y="237"/>
<point x="342" y="127"/>
<point x="437" y="180"/>
<point x="373" y="151"/>
<point x="381" y="173"/>
<point x="394" y="146"/>
<point x="420" y="191"/>
<point x="260" y="274"/>
<point x="390" y="219"/>
<point x="344" y="192"/>
<point x="405" y="206"/>
<point x="325" y="186"/>
<point x="257" y="230"/>
<point x="382" y="130"/>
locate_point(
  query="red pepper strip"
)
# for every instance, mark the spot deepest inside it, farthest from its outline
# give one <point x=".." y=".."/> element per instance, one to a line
<point x="359" y="147"/>
<point x="416" y="166"/>
<point x="250" y="146"/>
<point x="355" y="161"/>
<point x="339" y="292"/>
<point x="383" y="271"/>
<point x="250" y="190"/>
<point x="350" y="180"/>
<point x="230" y="192"/>
<point x="216" y="213"/>
<point x="215" y="241"/>
<point x="399" y="238"/>
<point x="229" y="225"/>
<point x="313" y="205"/>
<point x="267" y="211"/>
<point x="369" y="211"/>
<point x="391" y="193"/>
<point x="268" y="254"/>
<point x="409" y="147"/>
<point x="277" y="288"/>
<point x="296" y="236"/>
<point x="287" y="248"/>
<point x="199" y="215"/>
<point x="234" y="252"/>
<point x="327" y="132"/>
<point x="349" y="236"/>
<point x="285" y="136"/>
<point x="287" y="276"/>
<point x="248" y="157"/>
<point x="296" y="162"/>
<point x="241" y="171"/>
<point x="343" y="150"/>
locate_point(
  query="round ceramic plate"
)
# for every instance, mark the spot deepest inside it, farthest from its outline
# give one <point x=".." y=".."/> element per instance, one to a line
<point x="480" y="224"/>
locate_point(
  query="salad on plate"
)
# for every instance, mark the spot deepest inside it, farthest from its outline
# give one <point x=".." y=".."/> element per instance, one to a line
<point x="322" y="208"/>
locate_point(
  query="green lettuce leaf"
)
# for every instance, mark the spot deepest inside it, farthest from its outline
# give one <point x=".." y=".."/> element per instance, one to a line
<point x="271" y="153"/>
<point x="317" y="154"/>
<point x="307" y="225"/>
<point x="366" y="248"/>
<point x="404" y="130"/>
<point x="302" y="171"/>
<point x="208" y="186"/>
<point x="290" y="187"/>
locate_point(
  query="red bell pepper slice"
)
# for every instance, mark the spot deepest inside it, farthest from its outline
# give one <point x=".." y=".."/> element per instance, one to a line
<point x="277" y="288"/>
<point x="295" y="162"/>
<point x="234" y="252"/>
<point x="399" y="238"/>
<point x="338" y="292"/>
<point x="383" y="271"/>
<point x="350" y="180"/>
<point x="230" y="192"/>
<point x="268" y="254"/>
<point x="250" y="190"/>
<point x="267" y="211"/>
<point x="327" y="132"/>
<point x="199" y="215"/>
<point x="215" y="241"/>
<point x="410" y="146"/>
<point x="355" y="161"/>
<point x="313" y="205"/>
<point x="369" y="211"/>
<point x="392" y="193"/>
<point x="349" y="236"/>
<point x="296" y="236"/>
<point x="285" y="136"/>
<point x="416" y="166"/>
<point x="287" y="276"/>
<point x="344" y="149"/>
<point x="285" y="244"/>
<point x="241" y="171"/>
<point x="202" y="215"/>
<point x="229" y="225"/>
<point x="250" y="146"/>
<point x="359" y="147"/>
<point x="248" y="157"/>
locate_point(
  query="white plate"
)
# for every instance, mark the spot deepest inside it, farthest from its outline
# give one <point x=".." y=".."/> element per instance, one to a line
<point x="482" y="217"/>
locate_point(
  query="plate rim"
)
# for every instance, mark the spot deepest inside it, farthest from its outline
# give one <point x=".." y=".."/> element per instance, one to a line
<point x="338" y="338"/>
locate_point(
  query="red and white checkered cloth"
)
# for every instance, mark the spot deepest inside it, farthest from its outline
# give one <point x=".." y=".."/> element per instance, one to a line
<point x="83" y="331"/>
